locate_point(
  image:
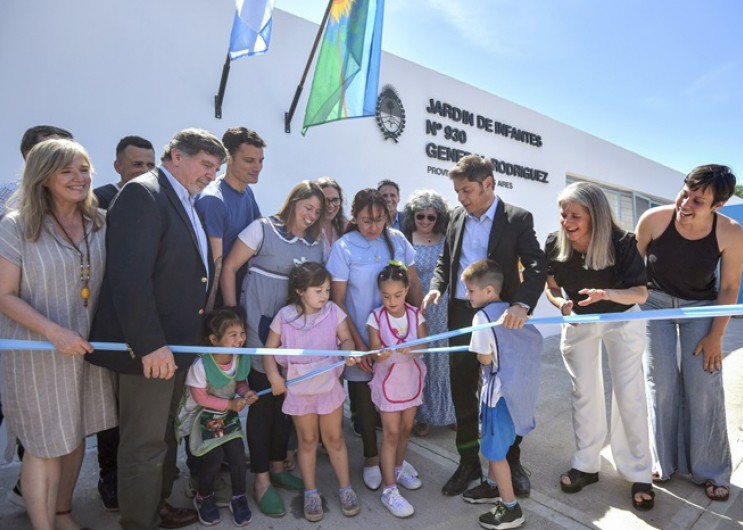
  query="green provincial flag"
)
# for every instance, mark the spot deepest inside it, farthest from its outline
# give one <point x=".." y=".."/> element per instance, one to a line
<point x="346" y="79"/>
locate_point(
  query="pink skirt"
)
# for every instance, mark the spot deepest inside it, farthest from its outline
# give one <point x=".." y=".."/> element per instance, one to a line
<point x="299" y="405"/>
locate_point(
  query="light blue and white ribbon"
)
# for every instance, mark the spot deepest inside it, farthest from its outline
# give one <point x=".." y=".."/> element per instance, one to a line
<point x="656" y="314"/>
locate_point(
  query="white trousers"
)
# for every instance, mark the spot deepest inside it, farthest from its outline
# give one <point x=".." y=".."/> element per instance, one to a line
<point x="624" y="343"/>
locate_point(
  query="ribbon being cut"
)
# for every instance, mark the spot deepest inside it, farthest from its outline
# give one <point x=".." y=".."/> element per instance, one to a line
<point x="657" y="314"/>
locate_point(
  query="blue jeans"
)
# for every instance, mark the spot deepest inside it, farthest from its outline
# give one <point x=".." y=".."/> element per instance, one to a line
<point x="686" y="405"/>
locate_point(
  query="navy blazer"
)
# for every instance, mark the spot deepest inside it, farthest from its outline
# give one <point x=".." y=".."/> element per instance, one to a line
<point x="155" y="285"/>
<point x="512" y="238"/>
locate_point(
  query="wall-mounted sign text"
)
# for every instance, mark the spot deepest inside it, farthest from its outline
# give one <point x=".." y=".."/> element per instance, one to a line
<point x="458" y="135"/>
<point x="465" y="117"/>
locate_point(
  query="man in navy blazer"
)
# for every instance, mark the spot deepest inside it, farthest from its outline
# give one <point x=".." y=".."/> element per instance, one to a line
<point x="153" y="295"/>
<point x="483" y="227"/>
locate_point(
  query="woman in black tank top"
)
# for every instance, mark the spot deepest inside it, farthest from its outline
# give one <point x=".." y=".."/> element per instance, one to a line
<point x="684" y="243"/>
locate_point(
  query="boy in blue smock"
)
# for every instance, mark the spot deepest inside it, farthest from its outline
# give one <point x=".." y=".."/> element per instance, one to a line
<point x="510" y="380"/>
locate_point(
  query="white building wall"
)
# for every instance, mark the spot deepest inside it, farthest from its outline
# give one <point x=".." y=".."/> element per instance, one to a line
<point x="107" y="69"/>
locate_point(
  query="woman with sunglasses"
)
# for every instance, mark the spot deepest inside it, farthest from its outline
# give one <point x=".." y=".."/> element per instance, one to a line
<point x="425" y="221"/>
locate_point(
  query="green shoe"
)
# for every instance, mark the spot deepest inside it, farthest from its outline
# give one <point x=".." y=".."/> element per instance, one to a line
<point x="287" y="481"/>
<point x="271" y="504"/>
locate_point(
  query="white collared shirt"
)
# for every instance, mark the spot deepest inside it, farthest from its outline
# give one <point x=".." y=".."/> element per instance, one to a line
<point x="474" y="243"/>
<point x="187" y="201"/>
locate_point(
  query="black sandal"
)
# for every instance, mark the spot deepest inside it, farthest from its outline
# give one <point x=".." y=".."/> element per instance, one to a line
<point x="644" y="504"/>
<point x="578" y="480"/>
<point x="713" y="494"/>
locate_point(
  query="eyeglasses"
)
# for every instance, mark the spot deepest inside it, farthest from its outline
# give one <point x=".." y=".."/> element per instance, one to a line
<point x="430" y="217"/>
<point x="336" y="201"/>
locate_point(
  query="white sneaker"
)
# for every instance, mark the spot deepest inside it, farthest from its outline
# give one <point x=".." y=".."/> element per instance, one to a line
<point x="407" y="466"/>
<point x="372" y="477"/>
<point x="406" y="480"/>
<point x="396" y="503"/>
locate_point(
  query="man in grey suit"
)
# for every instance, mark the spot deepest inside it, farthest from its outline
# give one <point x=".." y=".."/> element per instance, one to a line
<point x="483" y="227"/>
<point x="153" y="295"/>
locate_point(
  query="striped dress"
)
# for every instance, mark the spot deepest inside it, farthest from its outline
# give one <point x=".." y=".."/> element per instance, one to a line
<point x="51" y="401"/>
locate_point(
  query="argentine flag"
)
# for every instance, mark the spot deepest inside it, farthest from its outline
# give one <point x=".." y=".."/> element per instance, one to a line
<point x="251" y="30"/>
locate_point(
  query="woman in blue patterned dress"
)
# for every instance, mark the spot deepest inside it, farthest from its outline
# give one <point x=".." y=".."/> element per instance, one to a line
<point x="426" y="217"/>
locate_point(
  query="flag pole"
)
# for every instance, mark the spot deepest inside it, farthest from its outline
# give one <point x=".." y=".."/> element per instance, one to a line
<point x="289" y="115"/>
<point x="222" y="87"/>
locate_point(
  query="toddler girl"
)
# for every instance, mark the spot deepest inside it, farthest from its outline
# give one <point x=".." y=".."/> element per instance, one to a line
<point x="209" y="415"/>
<point x="397" y="385"/>
<point x="312" y="321"/>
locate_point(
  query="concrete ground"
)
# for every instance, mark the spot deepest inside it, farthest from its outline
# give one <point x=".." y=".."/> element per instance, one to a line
<point x="679" y="503"/>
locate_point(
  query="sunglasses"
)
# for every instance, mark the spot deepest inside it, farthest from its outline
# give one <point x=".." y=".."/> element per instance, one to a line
<point x="421" y="216"/>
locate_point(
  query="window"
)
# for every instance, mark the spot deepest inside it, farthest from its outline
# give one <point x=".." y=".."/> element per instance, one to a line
<point x="627" y="206"/>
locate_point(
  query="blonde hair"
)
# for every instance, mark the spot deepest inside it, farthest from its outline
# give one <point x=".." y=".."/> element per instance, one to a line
<point x="600" y="254"/>
<point x="44" y="161"/>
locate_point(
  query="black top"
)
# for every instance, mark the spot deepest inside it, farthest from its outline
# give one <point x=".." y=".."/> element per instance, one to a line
<point x="628" y="271"/>
<point x="105" y="195"/>
<point x="684" y="268"/>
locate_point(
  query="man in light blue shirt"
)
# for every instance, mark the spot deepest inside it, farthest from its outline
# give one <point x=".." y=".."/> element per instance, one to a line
<point x="484" y="227"/>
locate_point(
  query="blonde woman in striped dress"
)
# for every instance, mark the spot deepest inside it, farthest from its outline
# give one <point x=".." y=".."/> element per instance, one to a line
<point x="52" y="255"/>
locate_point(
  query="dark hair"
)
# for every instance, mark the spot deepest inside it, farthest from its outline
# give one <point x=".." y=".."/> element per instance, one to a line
<point x="234" y="137"/>
<point x="219" y="321"/>
<point x="367" y="199"/>
<point x="474" y="168"/>
<point x="388" y="182"/>
<point x="303" y="190"/>
<point x="303" y="276"/>
<point x="192" y="141"/>
<point x="720" y="178"/>
<point x="393" y="272"/>
<point x="39" y="133"/>
<point x="484" y="272"/>
<point x="134" y="141"/>
<point x="339" y="221"/>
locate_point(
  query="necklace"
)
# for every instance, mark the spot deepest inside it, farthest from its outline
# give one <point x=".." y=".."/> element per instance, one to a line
<point x="84" y="259"/>
<point x="430" y="239"/>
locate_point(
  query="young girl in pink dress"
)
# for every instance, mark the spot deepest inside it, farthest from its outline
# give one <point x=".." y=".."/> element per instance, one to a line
<point x="312" y="321"/>
<point x="397" y="385"/>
